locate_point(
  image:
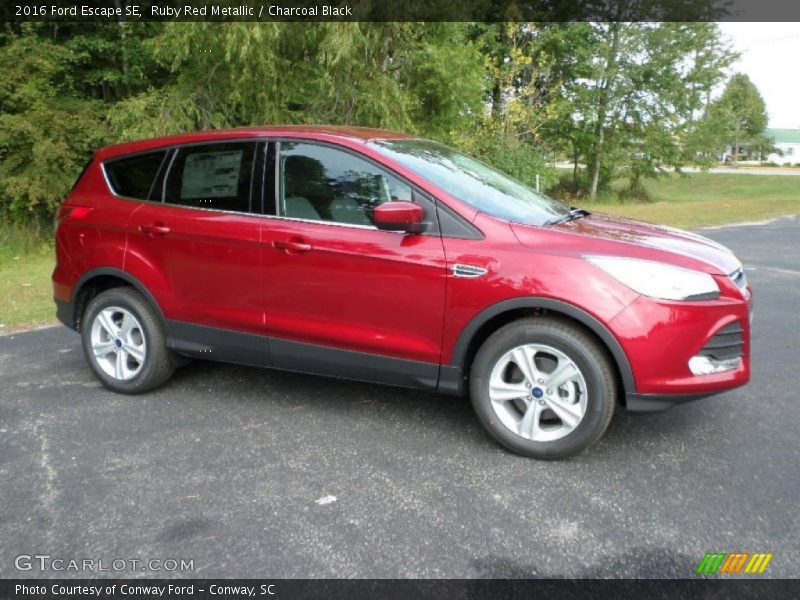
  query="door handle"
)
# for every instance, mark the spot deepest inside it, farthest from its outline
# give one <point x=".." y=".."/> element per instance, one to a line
<point x="154" y="229"/>
<point x="291" y="246"/>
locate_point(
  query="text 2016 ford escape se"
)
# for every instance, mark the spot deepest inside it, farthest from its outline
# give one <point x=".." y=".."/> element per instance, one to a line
<point x="378" y="256"/>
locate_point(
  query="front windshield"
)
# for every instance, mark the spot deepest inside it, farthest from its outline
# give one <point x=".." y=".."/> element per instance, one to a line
<point x="482" y="187"/>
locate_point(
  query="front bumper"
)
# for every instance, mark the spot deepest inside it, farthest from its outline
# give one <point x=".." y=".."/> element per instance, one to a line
<point x="661" y="337"/>
<point x="653" y="403"/>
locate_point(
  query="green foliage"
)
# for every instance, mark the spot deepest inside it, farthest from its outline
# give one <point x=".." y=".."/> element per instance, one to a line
<point x="628" y="98"/>
<point x="391" y="75"/>
<point x="741" y="113"/>
<point x="522" y="159"/>
<point x="637" y="104"/>
<point x="57" y="85"/>
<point x="23" y="238"/>
<point x="45" y="130"/>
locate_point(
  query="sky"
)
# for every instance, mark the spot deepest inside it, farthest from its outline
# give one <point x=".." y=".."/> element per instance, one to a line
<point x="769" y="55"/>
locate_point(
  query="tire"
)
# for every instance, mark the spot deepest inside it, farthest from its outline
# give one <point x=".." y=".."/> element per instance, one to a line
<point x="135" y="358"/>
<point x="549" y="421"/>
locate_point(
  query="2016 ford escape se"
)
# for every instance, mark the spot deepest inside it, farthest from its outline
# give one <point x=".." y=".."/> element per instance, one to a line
<point x="378" y="256"/>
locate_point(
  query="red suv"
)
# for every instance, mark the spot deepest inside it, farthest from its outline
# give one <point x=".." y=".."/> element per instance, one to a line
<point x="372" y="255"/>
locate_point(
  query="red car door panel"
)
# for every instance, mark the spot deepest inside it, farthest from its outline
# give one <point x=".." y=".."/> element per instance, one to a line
<point x="359" y="289"/>
<point x="209" y="261"/>
<point x="332" y="279"/>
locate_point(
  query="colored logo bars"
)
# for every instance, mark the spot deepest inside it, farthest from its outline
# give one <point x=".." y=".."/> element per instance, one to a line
<point x="734" y="562"/>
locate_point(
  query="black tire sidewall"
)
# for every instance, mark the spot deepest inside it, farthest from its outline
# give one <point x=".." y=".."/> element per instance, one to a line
<point x="585" y="356"/>
<point x="152" y="372"/>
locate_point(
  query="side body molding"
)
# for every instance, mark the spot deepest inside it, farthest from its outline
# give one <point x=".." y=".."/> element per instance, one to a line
<point x="185" y="339"/>
<point x="452" y="376"/>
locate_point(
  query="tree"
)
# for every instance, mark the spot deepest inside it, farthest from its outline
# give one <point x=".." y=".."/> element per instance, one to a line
<point x="46" y="129"/>
<point x="637" y="104"/>
<point x="526" y="65"/>
<point x="614" y="96"/>
<point x="741" y="111"/>
<point x="393" y="75"/>
<point x="58" y="81"/>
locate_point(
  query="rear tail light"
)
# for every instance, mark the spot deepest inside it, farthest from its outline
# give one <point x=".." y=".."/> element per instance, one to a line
<point x="66" y="213"/>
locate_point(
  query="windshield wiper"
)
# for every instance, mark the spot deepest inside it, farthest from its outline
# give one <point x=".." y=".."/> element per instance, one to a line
<point x="574" y="213"/>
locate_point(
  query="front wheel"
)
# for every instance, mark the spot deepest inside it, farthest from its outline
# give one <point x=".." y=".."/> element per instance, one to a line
<point x="543" y="387"/>
<point x="124" y="342"/>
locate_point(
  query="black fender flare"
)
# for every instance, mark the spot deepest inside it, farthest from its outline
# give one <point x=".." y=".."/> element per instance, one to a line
<point x="461" y="347"/>
<point x="120" y="274"/>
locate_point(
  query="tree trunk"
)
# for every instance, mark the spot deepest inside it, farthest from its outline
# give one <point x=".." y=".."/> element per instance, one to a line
<point x="123" y="34"/>
<point x="497" y="89"/>
<point x="602" y="108"/>
<point x="575" y="159"/>
<point x="497" y="102"/>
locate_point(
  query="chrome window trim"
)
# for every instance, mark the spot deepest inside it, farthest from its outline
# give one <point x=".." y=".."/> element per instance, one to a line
<point x="331" y="223"/>
<point x="261" y="216"/>
<point x="172" y="151"/>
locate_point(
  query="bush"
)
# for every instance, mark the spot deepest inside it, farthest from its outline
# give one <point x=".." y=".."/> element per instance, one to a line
<point x="521" y="160"/>
<point x="19" y="238"/>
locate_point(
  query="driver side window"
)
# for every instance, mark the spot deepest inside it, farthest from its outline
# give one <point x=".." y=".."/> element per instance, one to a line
<point x="320" y="183"/>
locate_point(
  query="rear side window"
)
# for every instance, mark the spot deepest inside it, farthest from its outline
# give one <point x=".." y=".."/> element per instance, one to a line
<point x="133" y="177"/>
<point x="217" y="176"/>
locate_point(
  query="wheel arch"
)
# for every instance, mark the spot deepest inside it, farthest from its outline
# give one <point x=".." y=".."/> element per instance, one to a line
<point x="101" y="279"/>
<point x="492" y="318"/>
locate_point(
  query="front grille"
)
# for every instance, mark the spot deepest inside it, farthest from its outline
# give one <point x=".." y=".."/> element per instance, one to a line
<point x="726" y="344"/>
<point x="739" y="278"/>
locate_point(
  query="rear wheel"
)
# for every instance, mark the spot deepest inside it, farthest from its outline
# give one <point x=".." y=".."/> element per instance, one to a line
<point x="543" y="387"/>
<point x="124" y="342"/>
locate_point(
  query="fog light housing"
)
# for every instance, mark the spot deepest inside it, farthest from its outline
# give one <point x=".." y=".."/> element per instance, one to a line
<point x="706" y="365"/>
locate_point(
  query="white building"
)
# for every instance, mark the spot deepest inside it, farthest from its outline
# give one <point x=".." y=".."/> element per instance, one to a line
<point x="788" y="142"/>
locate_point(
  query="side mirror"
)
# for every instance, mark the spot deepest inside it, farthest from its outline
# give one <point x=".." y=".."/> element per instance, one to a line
<point x="399" y="215"/>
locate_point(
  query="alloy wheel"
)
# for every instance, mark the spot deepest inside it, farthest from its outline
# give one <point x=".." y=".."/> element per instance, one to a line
<point x="538" y="392"/>
<point x="118" y="343"/>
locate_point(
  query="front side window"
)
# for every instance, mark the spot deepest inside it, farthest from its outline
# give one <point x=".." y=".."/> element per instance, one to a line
<point x="217" y="176"/>
<point x="320" y="183"/>
<point x="133" y="177"/>
<point x="482" y="187"/>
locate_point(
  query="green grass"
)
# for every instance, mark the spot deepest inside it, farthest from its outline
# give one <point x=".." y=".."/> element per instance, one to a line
<point x="702" y="199"/>
<point x="696" y="200"/>
<point x="26" y="263"/>
<point x="26" y="292"/>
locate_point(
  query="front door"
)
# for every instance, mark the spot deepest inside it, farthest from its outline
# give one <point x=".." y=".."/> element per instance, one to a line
<point x="342" y="297"/>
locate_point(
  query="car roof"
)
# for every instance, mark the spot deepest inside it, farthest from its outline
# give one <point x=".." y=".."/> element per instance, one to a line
<point x="318" y="132"/>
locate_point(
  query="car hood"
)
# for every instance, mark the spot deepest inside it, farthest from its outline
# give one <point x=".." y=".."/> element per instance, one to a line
<point x="626" y="235"/>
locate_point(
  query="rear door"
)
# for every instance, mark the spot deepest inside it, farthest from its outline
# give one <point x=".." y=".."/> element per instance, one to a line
<point x="341" y="296"/>
<point x="203" y="243"/>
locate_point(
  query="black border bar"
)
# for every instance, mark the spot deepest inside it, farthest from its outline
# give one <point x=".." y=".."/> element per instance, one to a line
<point x="392" y="589"/>
<point x="20" y="11"/>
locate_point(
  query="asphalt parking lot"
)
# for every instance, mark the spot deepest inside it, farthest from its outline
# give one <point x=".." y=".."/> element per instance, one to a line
<point x="237" y="468"/>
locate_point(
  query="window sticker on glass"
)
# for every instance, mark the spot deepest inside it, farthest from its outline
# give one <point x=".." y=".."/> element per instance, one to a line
<point x="211" y="175"/>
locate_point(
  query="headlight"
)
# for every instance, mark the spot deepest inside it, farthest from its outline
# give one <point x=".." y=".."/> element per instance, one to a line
<point x="658" y="280"/>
